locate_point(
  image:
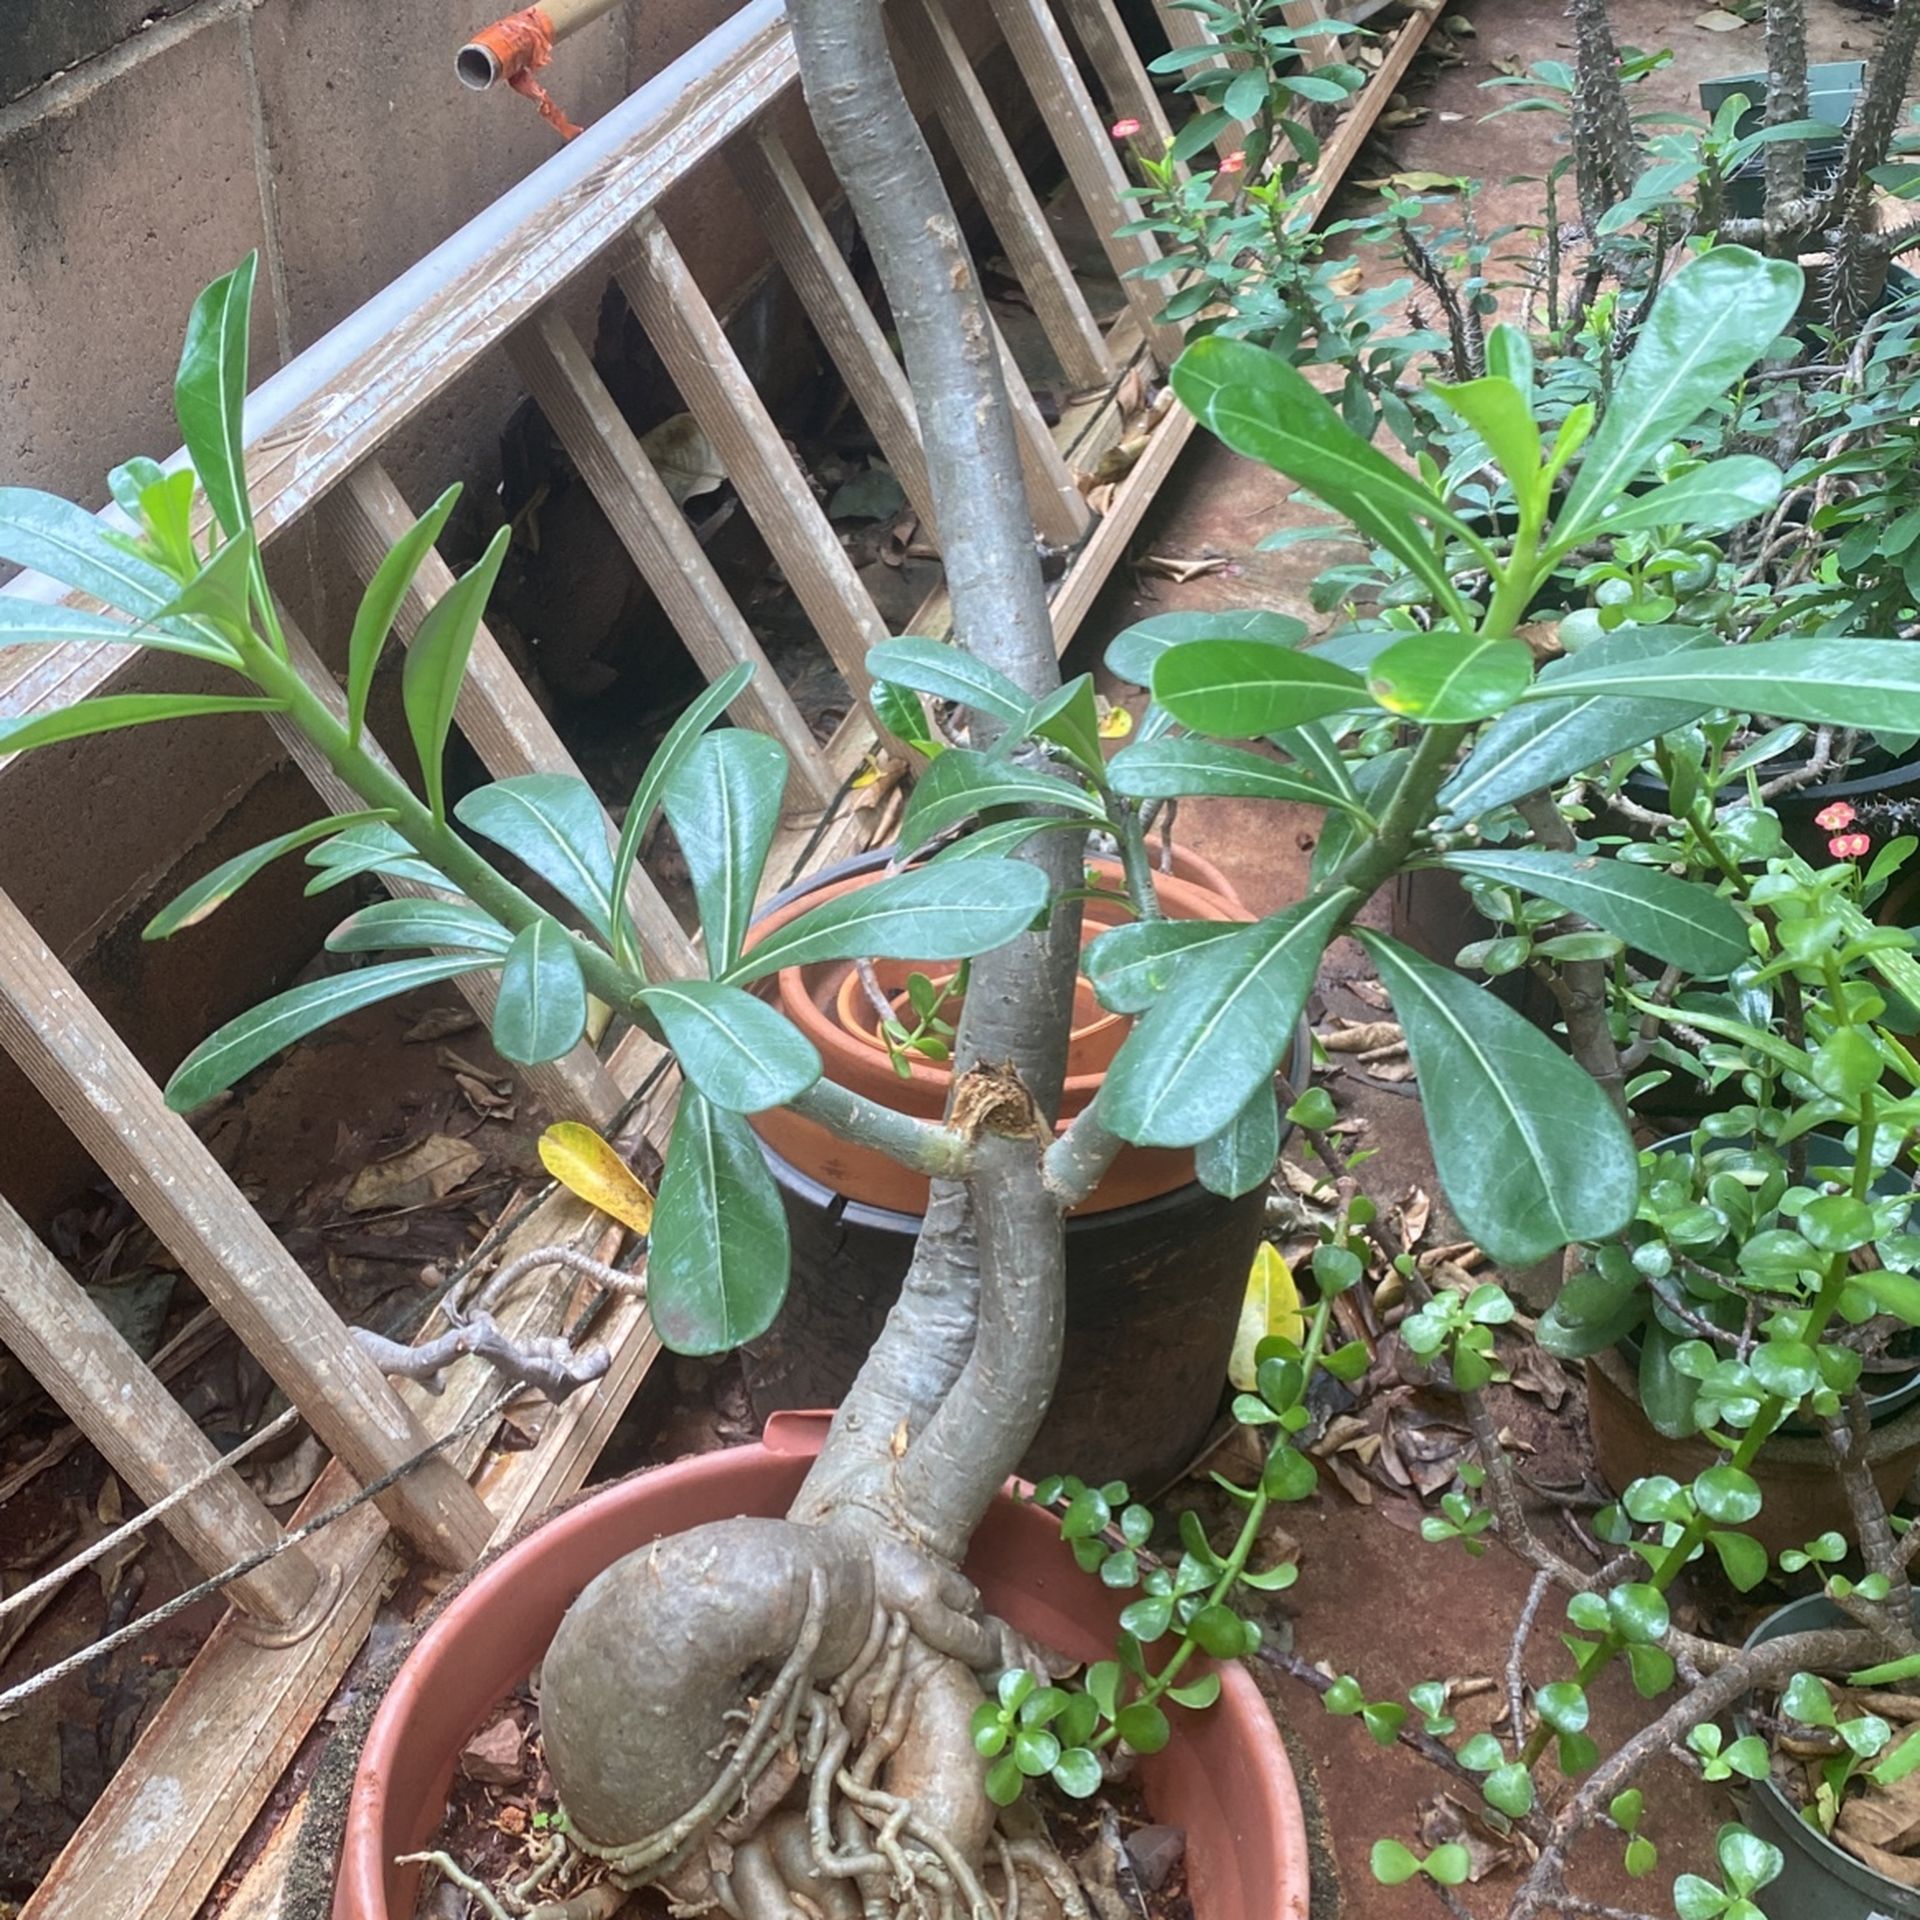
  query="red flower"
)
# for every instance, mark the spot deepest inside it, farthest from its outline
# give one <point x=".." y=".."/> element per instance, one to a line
<point x="1124" y="129"/>
<point x="1848" y="846"/>
<point x="1235" y="162"/>
<point x="1833" y="818"/>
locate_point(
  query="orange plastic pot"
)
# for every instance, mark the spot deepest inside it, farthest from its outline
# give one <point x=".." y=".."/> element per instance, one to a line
<point x="827" y="1003"/>
<point x="1224" y="1779"/>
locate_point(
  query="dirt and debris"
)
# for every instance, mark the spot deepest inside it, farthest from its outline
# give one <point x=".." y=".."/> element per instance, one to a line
<point x="375" y="1166"/>
<point x="502" y="1810"/>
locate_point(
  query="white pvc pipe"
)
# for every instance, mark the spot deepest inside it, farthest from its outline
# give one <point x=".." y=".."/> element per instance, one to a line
<point x="283" y="393"/>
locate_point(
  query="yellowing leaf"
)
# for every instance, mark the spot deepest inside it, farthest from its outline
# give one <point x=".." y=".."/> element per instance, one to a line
<point x="868" y="773"/>
<point x="1116" y="722"/>
<point x="585" y="1164"/>
<point x="1272" y="1308"/>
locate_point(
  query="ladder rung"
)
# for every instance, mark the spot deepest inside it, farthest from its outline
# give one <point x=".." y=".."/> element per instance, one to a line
<point x="1046" y="64"/>
<point x="560" y="375"/>
<point x="933" y="52"/>
<point x="700" y="360"/>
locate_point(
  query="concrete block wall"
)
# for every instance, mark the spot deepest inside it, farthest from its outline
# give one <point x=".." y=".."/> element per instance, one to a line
<point x="144" y="149"/>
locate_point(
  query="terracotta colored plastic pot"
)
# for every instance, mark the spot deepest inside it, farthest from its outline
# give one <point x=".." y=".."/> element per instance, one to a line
<point x="1224" y="1779"/>
<point x="826" y="1003"/>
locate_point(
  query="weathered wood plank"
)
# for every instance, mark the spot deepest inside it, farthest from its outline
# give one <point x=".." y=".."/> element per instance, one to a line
<point x="802" y="244"/>
<point x="495" y="711"/>
<point x="1086" y="146"/>
<point x="55" y="1331"/>
<point x="88" y="1075"/>
<point x="687" y="334"/>
<point x="558" y="372"/>
<point x="932" y="51"/>
<point x="225" y="1735"/>
<point x="157" y="1839"/>
<point x="1116" y="60"/>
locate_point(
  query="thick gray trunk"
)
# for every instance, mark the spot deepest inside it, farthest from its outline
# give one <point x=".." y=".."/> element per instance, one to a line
<point x="924" y="1371"/>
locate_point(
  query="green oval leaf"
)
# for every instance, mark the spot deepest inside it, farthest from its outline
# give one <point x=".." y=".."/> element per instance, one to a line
<point x="1444" y="679"/>
<point x="948" y="672"/>
<point x="215" y="889"/>
<point x="1143" y="1726"/>
<point x="1077" y="1773"/>
<point x="1130" y="967"/>
<point x="1242" y="689"/>
<point x="1262" y="406"/>
<point x="741" y="1053"/>
<point x="1241" y="1157"/>
<point x="114" y="712"/>
<point x="1727" y="1495"/>
<point x="241" y="1045"/>
<point x="1532" y="1155"/>
<point x="1554" y="733"/>
<point x="437" y="663"/>
<point x="372" y="848"/>
<point x="1200" y="1055"/>
<point x="1392" y="1864"/>
<point x="1497" y="410"/>
<point x="555" y="824"/>
<point x="542" y="1009"/>
<point x="927" y="913"/>
<point x="666" y="761"/>
<point x="1711" y="499"/>
<point x="1172" y="769"/>
<point x="412" y="922"/>
<point x="1678" y="921"/>
<point x="1563" y="1706"/>
<point x="66" y="543"/>
<point x="1638" y="1612"/>
<point x="962" y="783"/>
<point x="1131" y="656"/>
<point x="1873" y="684"/>
<point x="1710" y="322"/>
<point x="723" y="803"/>
<point x="717" y="1268"/>
<point x="210" y="392"/>
<point x="380" y="604"/>
<point x="35" y="623"/>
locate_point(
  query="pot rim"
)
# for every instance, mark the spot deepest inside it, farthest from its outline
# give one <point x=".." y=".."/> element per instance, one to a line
<point x="1812" y="1611"/>
<point x="856" y="1058"/>
<point x="438" y="1663"/>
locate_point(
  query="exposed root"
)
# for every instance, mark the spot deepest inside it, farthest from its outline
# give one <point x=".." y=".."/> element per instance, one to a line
<point x="852" y="1796"/>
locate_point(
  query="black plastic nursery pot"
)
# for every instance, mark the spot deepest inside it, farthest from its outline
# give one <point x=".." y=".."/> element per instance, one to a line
<point x="1832" y="91"/>
<point x="1154" y="1293"/>
<point x="1820" y="1881"/>
<point x="1154" y="1290"/>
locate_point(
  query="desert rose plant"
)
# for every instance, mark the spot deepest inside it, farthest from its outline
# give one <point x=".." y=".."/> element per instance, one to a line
<point x="844" y="1637"/>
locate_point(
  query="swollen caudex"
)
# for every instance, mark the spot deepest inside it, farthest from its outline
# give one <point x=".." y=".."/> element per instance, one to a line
<point x="753" y="1718"/>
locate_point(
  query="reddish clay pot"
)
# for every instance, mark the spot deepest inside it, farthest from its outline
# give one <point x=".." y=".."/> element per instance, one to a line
<point x="1224" y="1779"/>
<point x="1801" y="1496"/>
<point x="826" y="1003"/>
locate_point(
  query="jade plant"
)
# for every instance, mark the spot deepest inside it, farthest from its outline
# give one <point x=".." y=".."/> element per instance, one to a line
<point x="818" y="1689"/>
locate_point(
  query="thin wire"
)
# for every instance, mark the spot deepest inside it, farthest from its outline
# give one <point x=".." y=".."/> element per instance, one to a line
<point x="104" y="1546"/>
<point x="181" y="1602"/>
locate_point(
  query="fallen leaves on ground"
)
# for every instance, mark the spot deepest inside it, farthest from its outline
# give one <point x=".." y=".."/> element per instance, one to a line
<point x="420" y="1173"/>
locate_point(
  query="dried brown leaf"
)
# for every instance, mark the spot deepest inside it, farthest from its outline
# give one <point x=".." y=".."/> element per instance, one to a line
<point x="428" y="1170"/>
<point x="1362" y="1036"/>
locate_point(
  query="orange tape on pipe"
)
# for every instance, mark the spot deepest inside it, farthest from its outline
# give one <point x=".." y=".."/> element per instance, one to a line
<point x="521" y="45"/>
